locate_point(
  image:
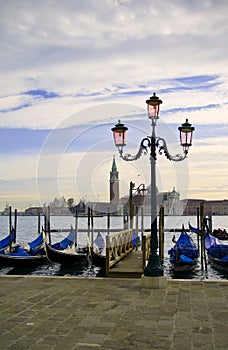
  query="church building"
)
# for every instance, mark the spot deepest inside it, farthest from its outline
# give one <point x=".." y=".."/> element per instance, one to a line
<point x="114" y="183"/>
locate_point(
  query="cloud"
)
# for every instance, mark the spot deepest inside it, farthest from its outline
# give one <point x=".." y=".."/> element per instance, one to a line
<point x="69" y="70"/>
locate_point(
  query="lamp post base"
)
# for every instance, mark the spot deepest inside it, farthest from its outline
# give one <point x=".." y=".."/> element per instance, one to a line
<point x="154" y="282"/>
<point x="154" y="267"/>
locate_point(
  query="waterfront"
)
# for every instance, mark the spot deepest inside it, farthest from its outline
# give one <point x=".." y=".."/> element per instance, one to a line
<point x="27" y="230"/>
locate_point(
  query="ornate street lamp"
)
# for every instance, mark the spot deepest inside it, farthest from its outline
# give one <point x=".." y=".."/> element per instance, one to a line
<point x="153" y="268"/>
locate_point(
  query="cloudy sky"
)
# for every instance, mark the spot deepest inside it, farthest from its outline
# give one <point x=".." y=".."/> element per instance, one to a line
<point x="70" y="69"/>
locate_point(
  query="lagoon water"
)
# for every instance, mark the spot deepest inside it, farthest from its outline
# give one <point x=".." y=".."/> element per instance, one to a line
<point x="27" y="228"/>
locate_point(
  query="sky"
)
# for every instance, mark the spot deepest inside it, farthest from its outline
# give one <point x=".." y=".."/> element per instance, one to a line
<point x="71" y="69"/>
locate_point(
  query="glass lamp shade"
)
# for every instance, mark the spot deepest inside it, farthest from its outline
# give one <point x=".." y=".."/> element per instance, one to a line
<point x="153" y="106"/>
<point x="186" y="131"/>
<point x="119" y="134"/>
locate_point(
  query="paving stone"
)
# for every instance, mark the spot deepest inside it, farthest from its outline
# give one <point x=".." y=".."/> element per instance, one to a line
<point x="96" y="313"/>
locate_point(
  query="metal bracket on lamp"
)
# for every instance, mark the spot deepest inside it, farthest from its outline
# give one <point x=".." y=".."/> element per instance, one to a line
<point x="145" y="143"/>
<point x="162" y="148"/>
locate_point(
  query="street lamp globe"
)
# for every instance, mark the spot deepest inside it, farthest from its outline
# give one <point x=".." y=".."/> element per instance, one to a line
<point x="153" y="107"/>
<point x="119" y="135"/>
<point x="186" y="130"/>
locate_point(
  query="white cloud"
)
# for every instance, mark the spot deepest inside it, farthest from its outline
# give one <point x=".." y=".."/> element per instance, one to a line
<point x="89" y="54"/>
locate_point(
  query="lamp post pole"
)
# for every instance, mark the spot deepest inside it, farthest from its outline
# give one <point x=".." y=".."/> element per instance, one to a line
<point x="153" y="268"/>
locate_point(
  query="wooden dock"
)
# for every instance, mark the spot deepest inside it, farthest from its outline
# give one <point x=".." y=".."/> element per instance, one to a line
<point x="130" y="266"/>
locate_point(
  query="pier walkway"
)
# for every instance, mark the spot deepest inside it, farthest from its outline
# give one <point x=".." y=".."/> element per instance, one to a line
<point x="129" y="267"/>
<point x="56" y="313"/>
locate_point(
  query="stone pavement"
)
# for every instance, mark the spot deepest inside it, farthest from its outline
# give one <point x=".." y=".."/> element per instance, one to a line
<point x="99" y="313"/>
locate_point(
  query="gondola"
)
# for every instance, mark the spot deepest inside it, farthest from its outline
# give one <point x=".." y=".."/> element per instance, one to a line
<point x="184" y="254"/>
<point x="6" y="241"/>
<point x="217" y="251"/>
<point x="36" y="243"/>
<point x="220" y="234"/>
<point x="22" y="258"/>
<point x="65" y="252"/>
<point x="98" y="251"/>
<point x="196" y="230"/>
<point x="29" y="255"/>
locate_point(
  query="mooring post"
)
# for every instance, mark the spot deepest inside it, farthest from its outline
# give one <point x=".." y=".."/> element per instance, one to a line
<point x="15" y="225"/>
<point x="137" y="226"/>
<point x="161" y="233"/>
<point x="108" y="221"/>
<point x="202" y="229"/>
<point x="38" y="223"/>
<point x="76" y="229"/>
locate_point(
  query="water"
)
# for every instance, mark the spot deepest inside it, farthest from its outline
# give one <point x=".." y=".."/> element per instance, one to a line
<point x="27" y="228"/>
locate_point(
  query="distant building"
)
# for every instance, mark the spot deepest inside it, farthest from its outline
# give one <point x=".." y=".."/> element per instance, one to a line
<point x="213" y="207"/>
<point x="53" y="211"/>
<point x="141" y="198"/>
<point x="169" y="200"/>
<point x="34" y="211"/>
<point x="114" y="183"/>
<point x="114" y="206"/>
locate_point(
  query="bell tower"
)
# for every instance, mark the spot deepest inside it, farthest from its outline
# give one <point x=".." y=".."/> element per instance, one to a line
<point x="114" y="183"/>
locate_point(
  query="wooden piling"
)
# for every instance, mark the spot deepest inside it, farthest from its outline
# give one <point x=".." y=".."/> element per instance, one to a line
<point x="125" y="218"/>
<point x="10" y="219"/>
<point x="15" y="225"/>
<point x="201" y="237"/>
<point x="137" y="226"/>
<point x="142" y="223"/>
<point x="92" y="229"/>
<point x="38" y="225"/>
<point x="131" y="207"/>
<point x="108" y="222"/>
<point x="76" y="229"/>
<point x="49" y="223"/>
<point x="88" y="227"/>
<point x="198" y="226"/>
<point x="10" y="229"/>
<point x="161" y="234"/>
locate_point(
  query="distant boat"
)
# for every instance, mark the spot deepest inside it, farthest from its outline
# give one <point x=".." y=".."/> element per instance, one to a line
<point x="220" y="234"/>
<point x="184" y="254"/>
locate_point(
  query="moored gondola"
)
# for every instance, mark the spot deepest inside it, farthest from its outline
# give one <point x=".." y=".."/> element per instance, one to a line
<point x="66" y="256"/>
<point x="217" y="251"/>
<point x="184" y="254"/>
<point x="6" y="241"/>
<point x="15" y="255"/>
<point x="65" y="252"/>
<point x="98" y="251"/>
<point x="22" y="258"/>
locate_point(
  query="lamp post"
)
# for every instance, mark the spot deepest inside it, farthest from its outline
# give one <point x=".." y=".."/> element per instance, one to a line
<point x="153" y="268"/>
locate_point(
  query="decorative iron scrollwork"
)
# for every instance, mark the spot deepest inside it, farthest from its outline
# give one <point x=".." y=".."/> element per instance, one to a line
<point x="144" y="145"/>
<point x="162" y="148"/>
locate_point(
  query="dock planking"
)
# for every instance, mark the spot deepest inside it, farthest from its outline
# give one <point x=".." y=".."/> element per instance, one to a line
<point x="130" y="266"/>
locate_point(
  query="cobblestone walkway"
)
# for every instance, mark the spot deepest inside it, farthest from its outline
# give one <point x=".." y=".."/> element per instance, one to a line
<point x="78" y="313"/>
